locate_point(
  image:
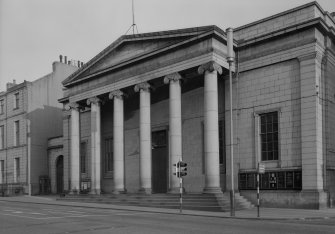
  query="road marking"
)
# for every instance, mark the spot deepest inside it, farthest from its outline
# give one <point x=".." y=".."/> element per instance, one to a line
<point x="17" y="212"/>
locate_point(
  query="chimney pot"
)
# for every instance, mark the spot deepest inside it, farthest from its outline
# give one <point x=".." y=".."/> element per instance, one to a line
<point x="65" y="59"/>
<point x="61" y="58"/>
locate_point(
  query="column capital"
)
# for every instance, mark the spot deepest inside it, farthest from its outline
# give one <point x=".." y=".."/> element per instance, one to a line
<point x="172" y="77"/>
<point x="144" y="86"/>
<point x="93" y="100"/>
<point x="116" y="94"/>
<point x="210" y="66"/>
<point x="72" y="105"/>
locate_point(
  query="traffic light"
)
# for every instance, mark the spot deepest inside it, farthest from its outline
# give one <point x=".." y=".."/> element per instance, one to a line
<point x="182" y="168"/>
<point x="176" y="173"/>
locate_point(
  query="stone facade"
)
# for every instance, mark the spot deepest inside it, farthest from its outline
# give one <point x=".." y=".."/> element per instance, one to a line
<point x="175" y="105"/>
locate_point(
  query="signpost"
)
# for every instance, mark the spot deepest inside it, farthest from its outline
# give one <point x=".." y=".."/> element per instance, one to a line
<point x="260" y="170"/>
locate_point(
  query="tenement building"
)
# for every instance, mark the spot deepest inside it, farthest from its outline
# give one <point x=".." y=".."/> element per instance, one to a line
<point x="29" y="115"/>
<point x="149" y="100"/>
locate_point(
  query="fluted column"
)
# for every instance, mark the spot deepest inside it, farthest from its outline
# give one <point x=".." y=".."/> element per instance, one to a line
<point x="211" y="126"/>
<point x="75" y="149"/>
<point x="118" y="141"/>
<point x="174" y="125"/>
<point x="145" y="137"/>
<point x="95" y="102"/>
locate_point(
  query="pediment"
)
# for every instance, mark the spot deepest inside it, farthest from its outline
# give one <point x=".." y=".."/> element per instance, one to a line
<point x="127" y="51"/>
<point x="131" y="48"/>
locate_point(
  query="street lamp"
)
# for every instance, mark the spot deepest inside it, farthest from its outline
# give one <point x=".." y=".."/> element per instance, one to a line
<point x="230" y="60"/>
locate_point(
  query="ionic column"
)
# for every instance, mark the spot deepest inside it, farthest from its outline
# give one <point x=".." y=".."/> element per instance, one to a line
<point x="95" y="102"/>
<point x="118" y="141"/>
<point x="174" y="125"/>
<point x="75" y="149"/>
<point x="145" y="137"/>
<point x="211" y="126"/>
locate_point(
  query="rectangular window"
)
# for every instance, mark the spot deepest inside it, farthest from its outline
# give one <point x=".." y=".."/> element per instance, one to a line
<point x="16" y="170"/>
<point x="269" y="136"/>
<point x="2" y="106"/>
<point x="83" y="150"/>
<point x="16" y="100"/>
<point x="16" y="133"/>
<point x="108" y="155"/>
<point x="2" y="137"/>
<point x="2" y="171"/>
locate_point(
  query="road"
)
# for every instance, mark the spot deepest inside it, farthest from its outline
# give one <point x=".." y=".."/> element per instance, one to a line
<point x="40" y="218"/>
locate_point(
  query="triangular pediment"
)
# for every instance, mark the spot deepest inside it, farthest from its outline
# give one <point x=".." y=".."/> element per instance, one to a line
<point x="133" y="47"/>
<point x="129" y="50"/>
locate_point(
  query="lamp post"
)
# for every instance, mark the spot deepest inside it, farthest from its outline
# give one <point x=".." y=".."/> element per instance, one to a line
<point x="230" y="60"/>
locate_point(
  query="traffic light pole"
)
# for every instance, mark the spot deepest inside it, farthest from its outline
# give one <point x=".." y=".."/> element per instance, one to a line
<point x="180" y="195"/>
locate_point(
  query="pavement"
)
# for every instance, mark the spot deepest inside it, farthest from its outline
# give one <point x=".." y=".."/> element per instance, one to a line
<point x="265" y="213"/>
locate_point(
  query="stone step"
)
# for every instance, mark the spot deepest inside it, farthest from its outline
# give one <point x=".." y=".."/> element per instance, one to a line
<point x="209" y="202"/>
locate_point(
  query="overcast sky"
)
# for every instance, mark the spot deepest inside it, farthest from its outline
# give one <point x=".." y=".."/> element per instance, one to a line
<point x="33" y="33"/>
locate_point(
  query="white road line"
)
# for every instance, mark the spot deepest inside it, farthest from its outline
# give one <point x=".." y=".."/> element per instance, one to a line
<point x="17" y="212"/>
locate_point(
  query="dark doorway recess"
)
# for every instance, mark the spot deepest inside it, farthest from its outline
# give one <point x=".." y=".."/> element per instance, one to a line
<point x="159" y="161"/>
<point x="59" y="174"/>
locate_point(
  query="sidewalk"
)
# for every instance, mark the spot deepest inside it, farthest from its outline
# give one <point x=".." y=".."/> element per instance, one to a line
<point x="265" y="213"/>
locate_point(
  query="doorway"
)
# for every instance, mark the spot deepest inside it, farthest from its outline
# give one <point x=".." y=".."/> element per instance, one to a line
<point x="59" y="174"/>
<point x="159" y="161"/>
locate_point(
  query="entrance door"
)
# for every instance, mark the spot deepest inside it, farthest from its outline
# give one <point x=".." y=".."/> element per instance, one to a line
<point x="59" y="174"/>
<point x="159" y="162"/>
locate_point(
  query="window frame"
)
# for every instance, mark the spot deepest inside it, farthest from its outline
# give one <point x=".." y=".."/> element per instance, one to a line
<point x="83" y="157"/>
<point x="17" y="133"/>
<point x="272" y="133"/>
<point x="2" y="171"/>
<point x="2" y="137"/>
<point x="17" y="170"/>
<point x="2" y="106"/>
<point x="108" y="159"/>
<point x="16" y="100"/>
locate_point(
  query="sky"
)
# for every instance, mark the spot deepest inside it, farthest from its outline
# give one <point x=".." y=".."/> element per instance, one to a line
<point x="33" y="33"/>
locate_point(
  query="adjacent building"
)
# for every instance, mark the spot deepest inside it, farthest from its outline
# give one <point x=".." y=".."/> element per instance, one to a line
<point x="29" y="115"/>
<point x="149" y="100"/>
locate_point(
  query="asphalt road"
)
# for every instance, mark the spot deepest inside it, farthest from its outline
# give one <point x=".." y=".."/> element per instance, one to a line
<point x="36" y="218"/>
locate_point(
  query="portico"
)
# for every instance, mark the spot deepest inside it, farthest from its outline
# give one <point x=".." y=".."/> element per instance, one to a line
<point x="113" y="87"/>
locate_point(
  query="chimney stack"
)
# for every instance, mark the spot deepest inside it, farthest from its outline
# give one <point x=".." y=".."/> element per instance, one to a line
<point x="61" y="58"/>
<point x="65" y="59"/>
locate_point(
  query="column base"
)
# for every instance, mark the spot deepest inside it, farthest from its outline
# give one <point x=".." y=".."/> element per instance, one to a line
<point x="213" y="190"/>
<point x="120" y="191"/>
<point x="145" y="190"/>
<point x="74" y="192"/>
<point x="95" y="192"/>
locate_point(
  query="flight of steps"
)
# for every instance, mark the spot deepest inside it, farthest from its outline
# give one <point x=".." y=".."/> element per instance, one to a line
<point x="191" y="201"/>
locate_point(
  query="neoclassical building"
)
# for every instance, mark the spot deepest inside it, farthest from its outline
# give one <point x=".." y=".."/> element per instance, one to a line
<point x="149" y="100"/>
